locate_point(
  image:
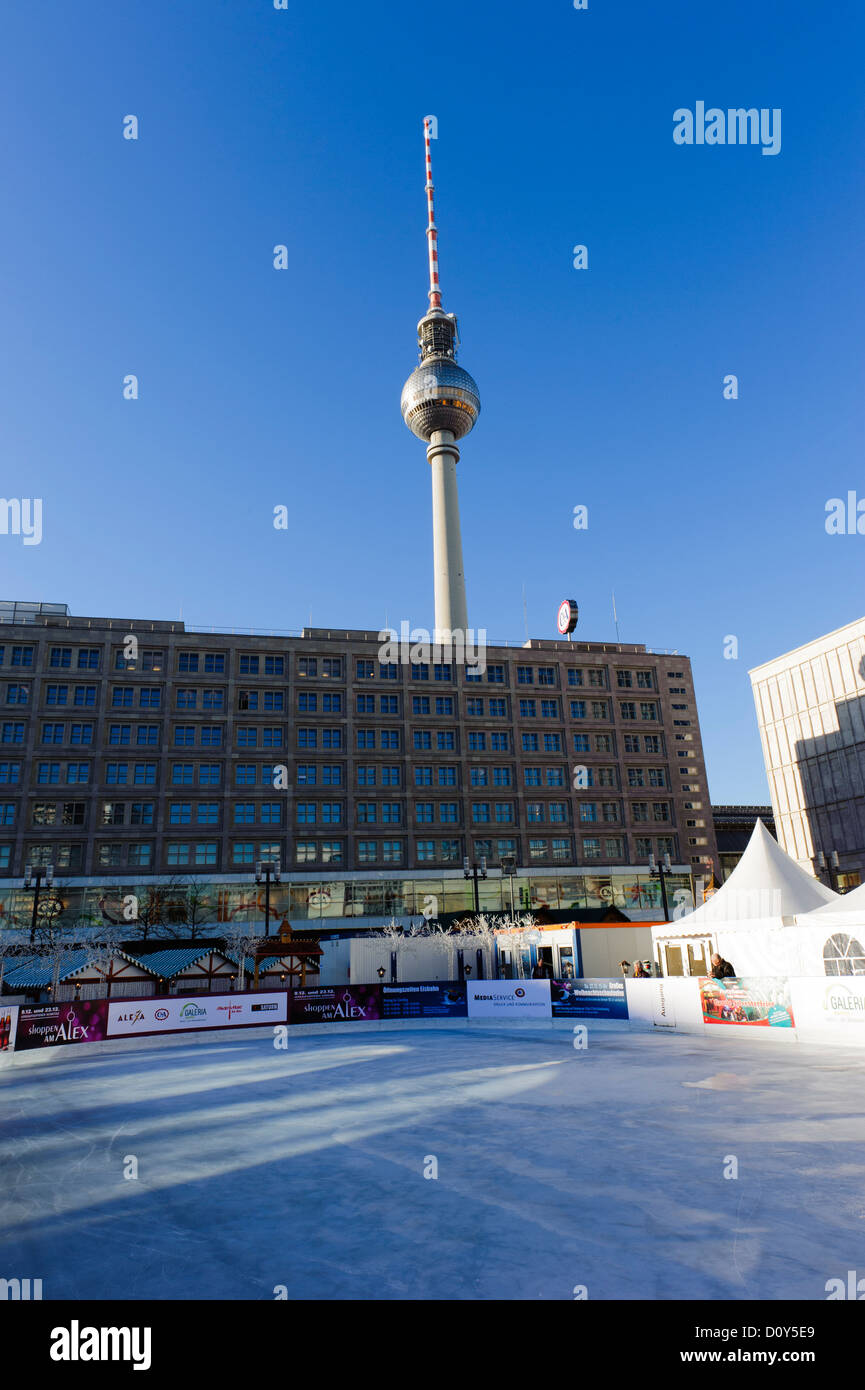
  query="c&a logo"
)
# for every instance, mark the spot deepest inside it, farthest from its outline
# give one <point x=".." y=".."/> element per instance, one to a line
<point x="161" y="1015"/>
<point x="520" y="993"/>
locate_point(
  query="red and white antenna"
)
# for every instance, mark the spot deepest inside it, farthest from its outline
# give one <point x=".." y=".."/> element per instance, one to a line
<point x="435" y="298"/>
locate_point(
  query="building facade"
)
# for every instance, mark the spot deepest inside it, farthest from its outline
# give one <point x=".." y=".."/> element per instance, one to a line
<point x="734" y="826"/>
<point x="135" y="750"/>
<point x="811" y="712"/>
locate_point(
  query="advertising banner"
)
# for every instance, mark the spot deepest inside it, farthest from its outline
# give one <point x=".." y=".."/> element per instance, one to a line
<point x="834" y="1006"/>
<point x="604" y="998"/>
<point x="336" y="1004"/>
<point x="126" y="1018"/>
<point x="511" y="999"/>
<point x="54" y="1025"/>
<point x="433" y="1000"/>
<point x="8" y="1024"/>
<point x="762" y="1003"/>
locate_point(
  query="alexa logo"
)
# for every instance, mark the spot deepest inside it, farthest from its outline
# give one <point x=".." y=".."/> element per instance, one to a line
<point x="161" y="1015"/>
<point x="519" y="993"/>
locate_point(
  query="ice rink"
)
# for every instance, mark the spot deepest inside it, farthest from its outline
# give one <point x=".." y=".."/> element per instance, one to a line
<point x="304" y="1167"/>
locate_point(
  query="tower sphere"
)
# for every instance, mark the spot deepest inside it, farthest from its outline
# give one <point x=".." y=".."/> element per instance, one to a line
<point x="440" y="395"/>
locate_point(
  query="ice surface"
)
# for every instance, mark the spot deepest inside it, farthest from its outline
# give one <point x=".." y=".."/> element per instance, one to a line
<point x="556" y="1167"/>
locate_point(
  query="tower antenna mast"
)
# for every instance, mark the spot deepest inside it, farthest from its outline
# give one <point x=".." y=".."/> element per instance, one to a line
<point x="435" y="298"/>
<point x="440" y="404"/>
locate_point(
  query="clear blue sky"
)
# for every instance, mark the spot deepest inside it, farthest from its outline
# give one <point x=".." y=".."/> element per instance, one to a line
<point x="601" y="387"/>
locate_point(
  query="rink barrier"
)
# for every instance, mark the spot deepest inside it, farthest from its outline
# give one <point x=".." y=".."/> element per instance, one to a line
<point x="829" y="1009"/>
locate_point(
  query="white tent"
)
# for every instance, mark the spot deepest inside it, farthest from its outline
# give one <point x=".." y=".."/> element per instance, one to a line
<point x="838" y="928"/>
<point x="846" y="909"/>
<point x="751" y="920"/>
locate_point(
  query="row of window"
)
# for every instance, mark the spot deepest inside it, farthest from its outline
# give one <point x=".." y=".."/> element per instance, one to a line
<point x="332" y="813"/>
<point x="202" y="854"/>
<point x="311" y="702"/>
<point x="325" y="775"/>
<point x="215" y="663"/>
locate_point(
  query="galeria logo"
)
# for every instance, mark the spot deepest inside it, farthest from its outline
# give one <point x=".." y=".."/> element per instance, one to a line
<point x="192" y="1011"/>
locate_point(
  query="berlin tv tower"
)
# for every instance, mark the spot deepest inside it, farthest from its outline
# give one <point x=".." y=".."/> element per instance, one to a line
<point x="440" y="404"/>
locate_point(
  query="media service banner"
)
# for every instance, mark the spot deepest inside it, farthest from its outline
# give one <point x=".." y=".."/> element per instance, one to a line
<point x="522" y="999"/>
<point x="603" y="998"/>
<point x="128" y="1017"/>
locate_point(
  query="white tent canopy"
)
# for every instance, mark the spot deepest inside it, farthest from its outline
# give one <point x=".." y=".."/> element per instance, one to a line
<point x="766" y="883"/>
<point x="753" y="919"/>
<point x="846" y="909"/>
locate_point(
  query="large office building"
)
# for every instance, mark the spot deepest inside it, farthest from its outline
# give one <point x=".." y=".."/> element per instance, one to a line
<point x="811" y="712"/>
<point x="136" y="751"/>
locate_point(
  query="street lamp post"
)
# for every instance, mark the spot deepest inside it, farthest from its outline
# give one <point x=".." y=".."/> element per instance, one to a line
<point x="267" y="872"/>
<point x="661" y="871"/>
<point x="509" y="867"/>
<point x="829" y="865"/>
<point x="33" y="881"/>
<point x="472" y="871"/>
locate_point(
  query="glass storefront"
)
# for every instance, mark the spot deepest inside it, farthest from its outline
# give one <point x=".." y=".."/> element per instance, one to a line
<point x="187" y="904"/>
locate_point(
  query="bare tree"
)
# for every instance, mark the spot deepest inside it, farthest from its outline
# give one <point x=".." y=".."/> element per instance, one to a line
<point x="241" y="940"/>
<point x="188" y="909"/>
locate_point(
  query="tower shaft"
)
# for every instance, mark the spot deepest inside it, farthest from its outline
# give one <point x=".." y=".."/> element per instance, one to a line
<point x="451" y="613"/>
